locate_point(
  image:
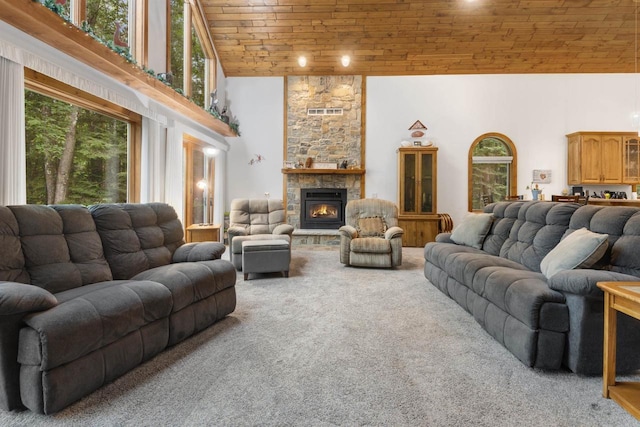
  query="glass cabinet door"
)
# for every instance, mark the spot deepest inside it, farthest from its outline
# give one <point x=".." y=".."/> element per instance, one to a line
<point x="426" y="174"/>
<point x="409" y="189"/>
<point x="631" y="160"/>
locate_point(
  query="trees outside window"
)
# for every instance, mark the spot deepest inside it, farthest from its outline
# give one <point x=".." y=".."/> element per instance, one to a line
<point x="74" y="155"/>
<point x="492" y="169"/>
<point x="177" y="43"/>
<point x="109" y="20"/>
<point x="198" y="70"/>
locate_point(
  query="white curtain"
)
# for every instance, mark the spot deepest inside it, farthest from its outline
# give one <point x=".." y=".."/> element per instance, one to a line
<point x="13" y="175"/>
<point x="174" y="172"/>
<point x="154" y="161"/>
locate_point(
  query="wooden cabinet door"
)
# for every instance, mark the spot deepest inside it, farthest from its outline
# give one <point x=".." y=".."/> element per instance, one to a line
<point x="410" y="236"/>
<point x="591" y="159"/>
<point x="418" y="231"/>
<point x="611" y="155"/>
<point x="573" y="157"/>
<point x="408" y="168"/>
<point x="631" y="159"/>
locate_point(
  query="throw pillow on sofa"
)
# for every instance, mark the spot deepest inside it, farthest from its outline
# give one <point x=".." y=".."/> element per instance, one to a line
<point x="580" y="249"/>
<point x="473" y="230"/>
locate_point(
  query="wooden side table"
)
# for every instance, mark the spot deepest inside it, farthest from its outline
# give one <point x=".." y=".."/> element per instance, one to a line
<point x="203" y="233"/>
<point x="625" y="298"/>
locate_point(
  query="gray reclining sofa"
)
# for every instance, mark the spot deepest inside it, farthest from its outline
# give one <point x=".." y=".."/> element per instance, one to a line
<point x="87" y="294"/>
<point x="545" y="322"/>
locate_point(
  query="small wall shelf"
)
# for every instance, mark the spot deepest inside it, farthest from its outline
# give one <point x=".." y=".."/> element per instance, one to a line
<point x="324" y="171"/>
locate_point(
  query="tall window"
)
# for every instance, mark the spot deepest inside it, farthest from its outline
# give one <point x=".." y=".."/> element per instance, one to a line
<point x="74" y="155"/>
<point x="492" y="170"/>
<point x="199" y="182"/>
<point x="79" y="148"/>
<point x="109" y="20"/>
<point x="177" y="43"/>
<point x="198" y="67"/>
<point x="192" y="58"/>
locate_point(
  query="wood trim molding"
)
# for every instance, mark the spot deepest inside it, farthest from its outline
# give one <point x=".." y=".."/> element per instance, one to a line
<point x="186" y="56"/>
<point x="48" y="86"/>
<point x="285" y="139"/>
<point x="363" y="127"/>
<point x="141" y="47"/>
<point x="38" y="21"/>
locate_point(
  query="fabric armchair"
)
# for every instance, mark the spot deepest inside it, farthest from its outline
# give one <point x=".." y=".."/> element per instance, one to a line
<point x="371" y="236"/>
<point x="255" y="219"/>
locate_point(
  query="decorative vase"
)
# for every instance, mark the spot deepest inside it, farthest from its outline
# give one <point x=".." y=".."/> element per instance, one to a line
<point x="534" y="194"/>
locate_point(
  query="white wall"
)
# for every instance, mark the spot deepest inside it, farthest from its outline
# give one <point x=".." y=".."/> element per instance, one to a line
<point x="534" y="111"/>
<point x="258" y="104"/>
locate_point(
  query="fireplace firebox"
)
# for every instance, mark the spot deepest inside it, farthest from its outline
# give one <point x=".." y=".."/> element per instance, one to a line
<point x="322" y="208"/>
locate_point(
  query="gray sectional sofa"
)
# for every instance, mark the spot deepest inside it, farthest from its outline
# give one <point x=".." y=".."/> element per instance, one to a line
<point x="87" y="294"/>
<point x="547" y="321"/>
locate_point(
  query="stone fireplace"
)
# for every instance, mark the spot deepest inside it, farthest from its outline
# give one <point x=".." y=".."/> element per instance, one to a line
<point x="332" y="138"/>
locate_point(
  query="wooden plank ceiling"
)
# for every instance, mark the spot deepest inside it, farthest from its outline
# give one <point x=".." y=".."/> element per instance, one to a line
<point x="400" y="37"/>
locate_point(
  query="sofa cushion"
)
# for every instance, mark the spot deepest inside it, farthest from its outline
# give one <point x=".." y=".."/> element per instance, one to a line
<point x="538" y="229"/>
<point x="505" y="215"/>
<point x="61" y="247"/>
<point x="12" y="268"/>
<point x="90" y="321"/>
<point x="373" y="245"/>
<point x="192" y="282"/>
<point x="371" y="227"/>
<point x="580" y="249"/>
<point x="472" y="230"/>
<point x="137" y="237"/>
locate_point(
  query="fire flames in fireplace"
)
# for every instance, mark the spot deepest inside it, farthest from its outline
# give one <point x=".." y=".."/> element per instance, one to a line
<point x="324" y="211"/>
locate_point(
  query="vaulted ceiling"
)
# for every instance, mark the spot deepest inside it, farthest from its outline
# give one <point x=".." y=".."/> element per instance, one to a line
<point x="401" y="37"/>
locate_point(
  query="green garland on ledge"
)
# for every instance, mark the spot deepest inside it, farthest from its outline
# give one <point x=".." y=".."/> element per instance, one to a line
<point x="126" y="54"/>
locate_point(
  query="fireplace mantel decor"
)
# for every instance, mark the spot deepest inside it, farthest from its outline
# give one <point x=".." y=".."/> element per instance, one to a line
<point x="324" y="171"/>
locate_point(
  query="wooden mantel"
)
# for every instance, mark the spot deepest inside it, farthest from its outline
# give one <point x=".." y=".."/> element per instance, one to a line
<point x="45" y="25"/>
<point x="323" y="171"/>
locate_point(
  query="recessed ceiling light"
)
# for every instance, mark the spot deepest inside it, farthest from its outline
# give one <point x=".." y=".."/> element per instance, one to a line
<point x="346" y="60"/>
<point x="302" y="61"/>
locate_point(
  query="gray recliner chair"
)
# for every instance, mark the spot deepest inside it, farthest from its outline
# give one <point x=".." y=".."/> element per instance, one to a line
<point x="255" y="219"/>
<point x="371" y="236"/>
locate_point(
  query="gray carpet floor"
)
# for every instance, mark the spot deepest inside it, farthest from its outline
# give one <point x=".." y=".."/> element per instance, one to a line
<point x="340" y="346"/>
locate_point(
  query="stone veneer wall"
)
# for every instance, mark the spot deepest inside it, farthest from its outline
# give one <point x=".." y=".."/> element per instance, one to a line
<point x="323" y="138"/>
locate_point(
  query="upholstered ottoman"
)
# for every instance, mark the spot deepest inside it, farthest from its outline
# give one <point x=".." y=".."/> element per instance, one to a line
<point x="265" y="256"/>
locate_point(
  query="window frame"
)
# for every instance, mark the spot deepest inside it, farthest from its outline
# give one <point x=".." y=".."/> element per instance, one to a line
<point x="512" y="179"/>
<point x="191" y="144"/>
<point x="52" y="88"/>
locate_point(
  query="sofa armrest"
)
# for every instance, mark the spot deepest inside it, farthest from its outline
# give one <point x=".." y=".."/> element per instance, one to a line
<point x="444" y="238"/>
<point x="198" y="251"/>
<point x="348" y="231"/>
<point x="16" y="298"/>
<point x="393" y="232"/>
<point x="583" y="281"/>
<point x="283" y="229"/>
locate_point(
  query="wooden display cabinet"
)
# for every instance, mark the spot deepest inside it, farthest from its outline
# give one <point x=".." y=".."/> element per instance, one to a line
<point x="417" y="169"/>
<point x="595" y="157"/>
